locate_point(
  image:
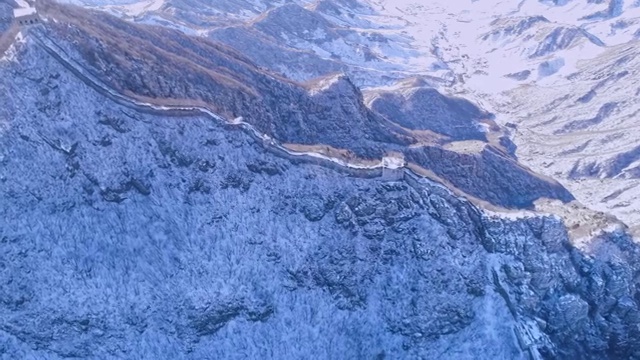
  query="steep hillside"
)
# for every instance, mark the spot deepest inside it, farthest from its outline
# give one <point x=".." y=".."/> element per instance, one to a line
<point x="299" y="65"/>
<point x="309" y="45"/>
<point x="421" y="107"/>
<point x="170" y="189"/>
<point x="125" y="234"/>
<point x="166" y="67"/>
<point x="161" y="65"/>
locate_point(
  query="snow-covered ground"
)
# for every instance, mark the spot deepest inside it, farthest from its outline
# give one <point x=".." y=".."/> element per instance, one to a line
<point x="22" y="3"/>
<point x="564" y="74"/>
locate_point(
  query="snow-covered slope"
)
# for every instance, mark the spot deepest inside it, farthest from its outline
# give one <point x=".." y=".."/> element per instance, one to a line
<point x="131" y="235"/>
<point x="518" y="60"/>
<point x="585" y="130"/>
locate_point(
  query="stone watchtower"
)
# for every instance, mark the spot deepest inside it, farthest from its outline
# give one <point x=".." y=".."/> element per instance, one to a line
<point x="393" y="168"/>
<point x="26" y="16"/>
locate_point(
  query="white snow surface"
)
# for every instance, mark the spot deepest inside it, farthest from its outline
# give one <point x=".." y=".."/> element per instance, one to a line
<point x="393" y="162"/>
<point x="22" y="3"/>
<point x="139" y="8"/>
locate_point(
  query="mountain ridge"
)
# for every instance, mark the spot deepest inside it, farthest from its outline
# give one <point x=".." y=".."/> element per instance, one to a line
<point x="231" y="212"/>
<point x="378" y="136"/>
<point x="123" y="184"/>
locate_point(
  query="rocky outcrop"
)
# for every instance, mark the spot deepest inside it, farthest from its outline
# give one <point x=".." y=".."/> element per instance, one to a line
<point x="571" y="311"/>
<point x="563" y="38"/>
<point x="506" y="28"/>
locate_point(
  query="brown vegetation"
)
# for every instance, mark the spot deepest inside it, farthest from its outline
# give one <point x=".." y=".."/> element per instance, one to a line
<point x="133" y="45"/>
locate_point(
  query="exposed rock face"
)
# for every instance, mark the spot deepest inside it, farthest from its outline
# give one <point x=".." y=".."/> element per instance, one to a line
<point x="513" y="27"/>
<point x="561" y="38"/>
<point x="572" y="311"/>
<point x="126" y="235"/>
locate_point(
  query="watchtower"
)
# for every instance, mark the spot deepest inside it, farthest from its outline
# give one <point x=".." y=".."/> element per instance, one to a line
<point x="26" y="16"/>
<point x="393" y="168"/>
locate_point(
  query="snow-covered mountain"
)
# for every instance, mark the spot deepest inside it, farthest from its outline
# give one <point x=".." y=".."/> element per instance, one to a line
<point x="204" y="180"/>
<point x="516" y="59"/>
